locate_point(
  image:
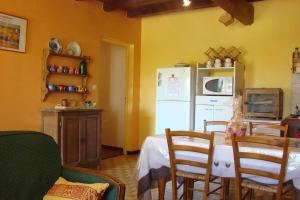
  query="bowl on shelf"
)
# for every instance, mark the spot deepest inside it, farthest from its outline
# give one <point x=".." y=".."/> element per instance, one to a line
<point x="72" y="88"/>
<point x="59" y="69"/>
<point x="76" y="71"/>
<point x="51" y="87"/>
<point x="65" y="70"/>
<point x="81" y="89"/>
<point x="74" y="49"/>
<point x="61" y="88"/>
<point x="52" y="68"/>
<point x="55" y="45"/>
<point x="89" y="104"/>
<point x="71" y="70"/>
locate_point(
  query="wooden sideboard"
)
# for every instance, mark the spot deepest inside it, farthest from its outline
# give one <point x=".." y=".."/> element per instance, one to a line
<point x="77" y="132"/>
<point x="294" y="126"/>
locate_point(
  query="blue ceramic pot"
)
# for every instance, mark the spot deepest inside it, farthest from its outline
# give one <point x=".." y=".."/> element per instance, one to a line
<point x="72" y="88"/>
<point x="52" y="68"/>
<point x="51" y="87"/>
<point x="65" y="70"/>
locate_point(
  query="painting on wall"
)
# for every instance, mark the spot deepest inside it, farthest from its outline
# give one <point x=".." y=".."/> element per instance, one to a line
<point x="12" y="33"/>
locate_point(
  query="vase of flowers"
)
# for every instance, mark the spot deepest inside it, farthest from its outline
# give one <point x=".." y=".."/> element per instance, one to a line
<point x="236" y="125"/>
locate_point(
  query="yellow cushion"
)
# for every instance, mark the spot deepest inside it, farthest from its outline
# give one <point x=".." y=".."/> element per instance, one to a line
<point x="66" y="190"/>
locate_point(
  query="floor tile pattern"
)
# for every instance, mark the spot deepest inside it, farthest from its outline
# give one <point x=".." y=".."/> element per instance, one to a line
<point x="124" y="168"/>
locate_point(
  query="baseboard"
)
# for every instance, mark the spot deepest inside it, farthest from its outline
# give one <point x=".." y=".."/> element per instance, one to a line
<point x="132" y="152"/>
<point x="121" y="149"/>
<point x="112" y="147"/>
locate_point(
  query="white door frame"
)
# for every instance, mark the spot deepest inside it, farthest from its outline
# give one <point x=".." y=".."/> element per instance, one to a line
<point x="129" y="77"/>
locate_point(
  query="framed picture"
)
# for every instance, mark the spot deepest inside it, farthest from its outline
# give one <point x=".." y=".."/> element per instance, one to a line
<point x="12" y="33"/>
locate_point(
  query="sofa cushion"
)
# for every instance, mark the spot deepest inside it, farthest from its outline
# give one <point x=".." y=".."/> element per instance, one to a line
<point x="63" y="189"/>
<point x="30" y="164"/>
<point x="111" y="192"/>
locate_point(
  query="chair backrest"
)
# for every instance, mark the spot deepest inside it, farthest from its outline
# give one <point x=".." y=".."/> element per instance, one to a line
<point x="215" y="123"/>
<point x="271" y="142"/>
<point x="282" y="128"/>
<point x="173" y="148"/>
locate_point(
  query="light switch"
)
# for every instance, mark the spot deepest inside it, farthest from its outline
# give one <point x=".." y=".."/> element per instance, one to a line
<point x="94" y="87"/>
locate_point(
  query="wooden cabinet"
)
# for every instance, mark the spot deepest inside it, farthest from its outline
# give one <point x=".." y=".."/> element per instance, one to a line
<point x="263" y="103"/>
<point x="77" y="132"/>
<point x="212" y="108"/>
<point x="294" y="126"/>
<point x="236" y="72"/>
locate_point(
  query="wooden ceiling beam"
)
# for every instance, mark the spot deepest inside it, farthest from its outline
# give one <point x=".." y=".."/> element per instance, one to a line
<point x="166" y="7"/>
<point x="239" y="9"/>
<point x="110" y="5"/>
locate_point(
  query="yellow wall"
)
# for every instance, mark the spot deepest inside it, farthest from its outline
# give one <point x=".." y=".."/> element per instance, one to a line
<point x="184" y="37"/>
<point x="69" y="20"/>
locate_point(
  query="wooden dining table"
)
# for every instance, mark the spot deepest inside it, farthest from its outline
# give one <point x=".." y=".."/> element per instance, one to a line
<point x="153" y="167"/>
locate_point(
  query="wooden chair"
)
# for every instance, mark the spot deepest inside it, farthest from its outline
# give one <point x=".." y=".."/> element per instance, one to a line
<point x="282" y="128"/>
<point x="212" y="123"/>
<point x="278" y="189"/>
<point x="189" y="177"/>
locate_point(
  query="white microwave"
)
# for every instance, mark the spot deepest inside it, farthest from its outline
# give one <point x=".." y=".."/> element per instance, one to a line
<point x="213" y="85"/>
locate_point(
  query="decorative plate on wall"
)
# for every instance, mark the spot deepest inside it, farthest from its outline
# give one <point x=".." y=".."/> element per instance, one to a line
<point x="55" y="45"/>
<point x="74" y="49"/>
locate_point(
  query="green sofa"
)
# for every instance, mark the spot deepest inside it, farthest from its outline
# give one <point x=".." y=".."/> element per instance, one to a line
<point x="30" y="163"/>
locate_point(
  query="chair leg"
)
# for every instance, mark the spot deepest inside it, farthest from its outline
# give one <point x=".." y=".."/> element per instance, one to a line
<point x="161" y="189"/>
<point x="238" y="190"/>
<point x="223" y="189"/>
<point x="185" y="189"/>
<point x="278" y="196"/>
<point x="251" y="194"/>
<point x="206" y="189"/>
<point x="190" y="185"/>
<point x="174" y="189"/>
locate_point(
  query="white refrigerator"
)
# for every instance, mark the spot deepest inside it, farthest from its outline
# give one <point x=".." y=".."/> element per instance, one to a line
<point x="175" y="96"/>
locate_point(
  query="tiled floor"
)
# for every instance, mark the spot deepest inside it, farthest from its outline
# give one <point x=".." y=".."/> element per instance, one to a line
<point x="109" y="152"/>
<point x="124" y="168"/>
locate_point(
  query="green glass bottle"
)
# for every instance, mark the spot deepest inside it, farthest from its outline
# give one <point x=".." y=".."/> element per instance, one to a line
<point x="83" y="67"/>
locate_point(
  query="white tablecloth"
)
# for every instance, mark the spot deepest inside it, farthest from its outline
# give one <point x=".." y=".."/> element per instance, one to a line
<point x="154" y="155"/>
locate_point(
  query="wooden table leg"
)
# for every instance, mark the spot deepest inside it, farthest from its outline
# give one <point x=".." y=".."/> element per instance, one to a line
<point x="161" y="188"/>
<point x="226" y="184"/>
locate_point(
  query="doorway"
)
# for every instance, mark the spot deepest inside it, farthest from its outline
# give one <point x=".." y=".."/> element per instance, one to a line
<point x="112" y="97"/>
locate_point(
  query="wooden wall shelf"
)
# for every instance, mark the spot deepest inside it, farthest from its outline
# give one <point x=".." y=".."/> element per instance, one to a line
<point x="68" y="56"/>
<point x="64" y="74"/>
<point x="46" y="74"/>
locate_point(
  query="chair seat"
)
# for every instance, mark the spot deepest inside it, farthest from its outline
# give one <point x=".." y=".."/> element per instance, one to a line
<point x="264" y="187"/>
<point x="199" y="177"/>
